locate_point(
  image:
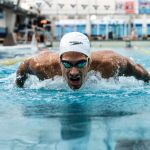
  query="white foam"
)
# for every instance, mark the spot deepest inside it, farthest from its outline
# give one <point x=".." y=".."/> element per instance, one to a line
<point x="93" y="82"/>
<point x="55" y="84"/>
<point x="97" y="82"/>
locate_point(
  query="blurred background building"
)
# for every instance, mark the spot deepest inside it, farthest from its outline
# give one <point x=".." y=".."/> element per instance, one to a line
<point x="99" y="19"/>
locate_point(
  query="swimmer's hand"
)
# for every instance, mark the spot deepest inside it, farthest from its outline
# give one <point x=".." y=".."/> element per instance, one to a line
<point x="147" y="79"/>
<point x="21" y="74"/>
<point x="20" y="81"/>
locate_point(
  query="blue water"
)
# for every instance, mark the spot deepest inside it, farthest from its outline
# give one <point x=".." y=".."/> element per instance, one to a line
<point x="102" y="115"/>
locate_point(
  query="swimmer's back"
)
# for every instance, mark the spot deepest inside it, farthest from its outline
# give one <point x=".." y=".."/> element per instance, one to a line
<point x="107" y="62"/>
<point x="44" y="65"/>
<point x="46" y="57"/>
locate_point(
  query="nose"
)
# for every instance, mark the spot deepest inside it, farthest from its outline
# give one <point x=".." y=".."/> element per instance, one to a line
<point x="74" y="72"/>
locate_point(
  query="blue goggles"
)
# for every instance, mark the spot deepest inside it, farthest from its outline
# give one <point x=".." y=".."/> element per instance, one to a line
<point x="80" y="64"/>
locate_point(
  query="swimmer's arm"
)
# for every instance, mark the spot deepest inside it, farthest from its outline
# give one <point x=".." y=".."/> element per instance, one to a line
<point x="138" y="71"/>
<point x="21" y="74"/>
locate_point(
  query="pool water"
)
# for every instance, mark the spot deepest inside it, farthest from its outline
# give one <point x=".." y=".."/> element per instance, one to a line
<point x="47" y="115"/>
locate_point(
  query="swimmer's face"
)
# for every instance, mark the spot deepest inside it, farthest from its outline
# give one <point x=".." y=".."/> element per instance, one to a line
<point x="74" y="66"/>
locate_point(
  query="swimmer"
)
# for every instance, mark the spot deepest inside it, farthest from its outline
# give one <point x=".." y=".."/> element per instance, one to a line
<point x="75" y="60"/>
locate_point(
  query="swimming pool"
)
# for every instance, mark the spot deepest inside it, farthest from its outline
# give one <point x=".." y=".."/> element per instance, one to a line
<point x="47" y="115"/>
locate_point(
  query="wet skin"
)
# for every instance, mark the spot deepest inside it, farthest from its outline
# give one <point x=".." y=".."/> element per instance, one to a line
<point x="47" y="65"/>
<point x="74" y="76"/>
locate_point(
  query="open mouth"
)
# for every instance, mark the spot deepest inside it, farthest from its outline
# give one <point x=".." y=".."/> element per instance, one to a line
<point x="75" y="80"/>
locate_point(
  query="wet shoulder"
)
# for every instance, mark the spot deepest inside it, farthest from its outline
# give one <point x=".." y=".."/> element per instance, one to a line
<point x="107" y="59"/>
<point x="46" y="57"/>
<point x="105" y="55"/>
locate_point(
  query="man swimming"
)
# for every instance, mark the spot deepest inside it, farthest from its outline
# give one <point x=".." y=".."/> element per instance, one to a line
<point x="75" y="60"/>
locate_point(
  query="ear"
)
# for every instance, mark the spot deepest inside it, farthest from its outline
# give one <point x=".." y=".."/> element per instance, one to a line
<point x="59" y="61"/>
<point x="89" y="62"/>
<point x="60" y="58"/>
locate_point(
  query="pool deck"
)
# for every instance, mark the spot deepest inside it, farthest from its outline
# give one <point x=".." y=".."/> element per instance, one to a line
<point x="114" y="44"/>
<point x="110" y="43"/>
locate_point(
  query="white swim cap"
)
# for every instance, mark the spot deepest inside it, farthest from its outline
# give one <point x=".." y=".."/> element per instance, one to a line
<point x="75" y="41"/>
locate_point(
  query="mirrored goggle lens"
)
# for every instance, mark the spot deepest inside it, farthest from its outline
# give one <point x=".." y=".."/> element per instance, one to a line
<point x="67" y="64"/>
<point x="80" y="64"/>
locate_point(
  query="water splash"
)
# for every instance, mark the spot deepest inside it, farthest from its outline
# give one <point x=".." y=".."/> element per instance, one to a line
<point x="102" y="95"/>
<point x="94" y="81"/>
<point x="34" y="44"/>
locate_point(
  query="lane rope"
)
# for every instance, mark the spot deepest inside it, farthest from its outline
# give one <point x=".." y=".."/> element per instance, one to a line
<point x="11" y="61"/>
